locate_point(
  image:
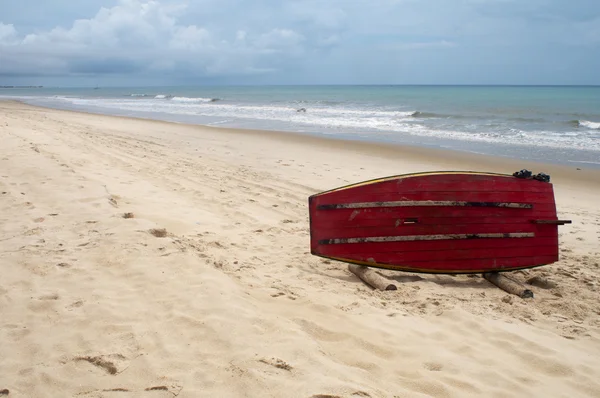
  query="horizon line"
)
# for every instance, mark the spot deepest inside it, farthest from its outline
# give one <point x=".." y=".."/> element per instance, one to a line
<point x="25" y="86"/>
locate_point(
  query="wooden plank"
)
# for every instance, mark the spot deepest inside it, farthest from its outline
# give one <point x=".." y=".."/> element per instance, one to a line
<point x="416" y="229"/>
<point x="467" y="244"/>
<point x="345" y="215"/>
<point x="420" y="203"/>
<point x="462" y="266"/>
<point x="400" y="223"/>
<point x="443" y="211"/>
<point x="448" y="182"/>
<point x="349" y="196"/>
<point x="414" y="238"/>
<point x="446" y="255"/>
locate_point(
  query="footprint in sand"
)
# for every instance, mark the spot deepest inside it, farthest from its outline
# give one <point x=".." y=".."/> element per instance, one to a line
<point x="112" y="199"/>
<point x="111" y="364"/>
<point x="157" y="388"/>
<point x="52" y="296"/>
<point x="277" y="363"/>
<point x="174" y="389"/>
<point x="74" y="305"/>
<point x="433" y="366"/>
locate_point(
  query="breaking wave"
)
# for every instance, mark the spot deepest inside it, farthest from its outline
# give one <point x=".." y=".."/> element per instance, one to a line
<point x="192" y="100"/>
<point x="363" y="119"/>
<point x="588" y="124"/>
<point x="174" y="98"/>
<point x="426" y="114"/>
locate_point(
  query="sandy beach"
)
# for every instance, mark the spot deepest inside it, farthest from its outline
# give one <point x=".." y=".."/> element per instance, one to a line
<point x="97" y="300"/>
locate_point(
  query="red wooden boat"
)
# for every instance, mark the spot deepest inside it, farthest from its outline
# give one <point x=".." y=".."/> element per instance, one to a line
<point x="441" y="222"/>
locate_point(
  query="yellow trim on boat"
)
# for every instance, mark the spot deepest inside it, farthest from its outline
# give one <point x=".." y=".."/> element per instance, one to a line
<point x="403" y="176"/>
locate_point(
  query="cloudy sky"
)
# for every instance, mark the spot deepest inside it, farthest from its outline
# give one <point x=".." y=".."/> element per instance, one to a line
<point x="173" y="42"/>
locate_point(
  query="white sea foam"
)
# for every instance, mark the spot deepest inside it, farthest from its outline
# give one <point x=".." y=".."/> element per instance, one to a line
<point x="219" y="122"/>
<point x="363" y="113"/>
<point x="349" y="119"/>
<point x="583" y="161"/>
<point x="590" y="125"/>
<point x="191" y="100"/>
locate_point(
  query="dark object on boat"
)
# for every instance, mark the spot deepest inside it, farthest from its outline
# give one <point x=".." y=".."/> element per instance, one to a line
<point x="542" y="177"/>
<point x="522" y="174"/>
<point x="526" y="174"/>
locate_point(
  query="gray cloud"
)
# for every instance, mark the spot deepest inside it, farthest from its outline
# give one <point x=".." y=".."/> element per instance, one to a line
<point x="144" y="35"/>
<point x="303" y="41"/>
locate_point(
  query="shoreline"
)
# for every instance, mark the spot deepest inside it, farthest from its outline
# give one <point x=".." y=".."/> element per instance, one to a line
<point x="134" y="250"/>
<point x="513" y="151"/>
<point x="453" y="157"/>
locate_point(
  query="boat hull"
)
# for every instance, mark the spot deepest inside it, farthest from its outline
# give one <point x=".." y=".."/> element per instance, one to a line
<point x="443" y="222"/>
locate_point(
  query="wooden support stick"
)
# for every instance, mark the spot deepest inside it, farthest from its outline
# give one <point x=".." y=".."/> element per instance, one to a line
<point x="371" y="278"/>
<point x="508" y="285"/>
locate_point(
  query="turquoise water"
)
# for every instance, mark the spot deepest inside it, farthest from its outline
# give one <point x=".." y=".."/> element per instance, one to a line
<point x="552" y="123"/>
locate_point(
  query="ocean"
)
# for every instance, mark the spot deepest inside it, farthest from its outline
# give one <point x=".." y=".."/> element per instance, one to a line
<point x="556" y="124"/>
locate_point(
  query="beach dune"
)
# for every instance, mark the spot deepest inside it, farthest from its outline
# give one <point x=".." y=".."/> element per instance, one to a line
<point x="150" y="259"/>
